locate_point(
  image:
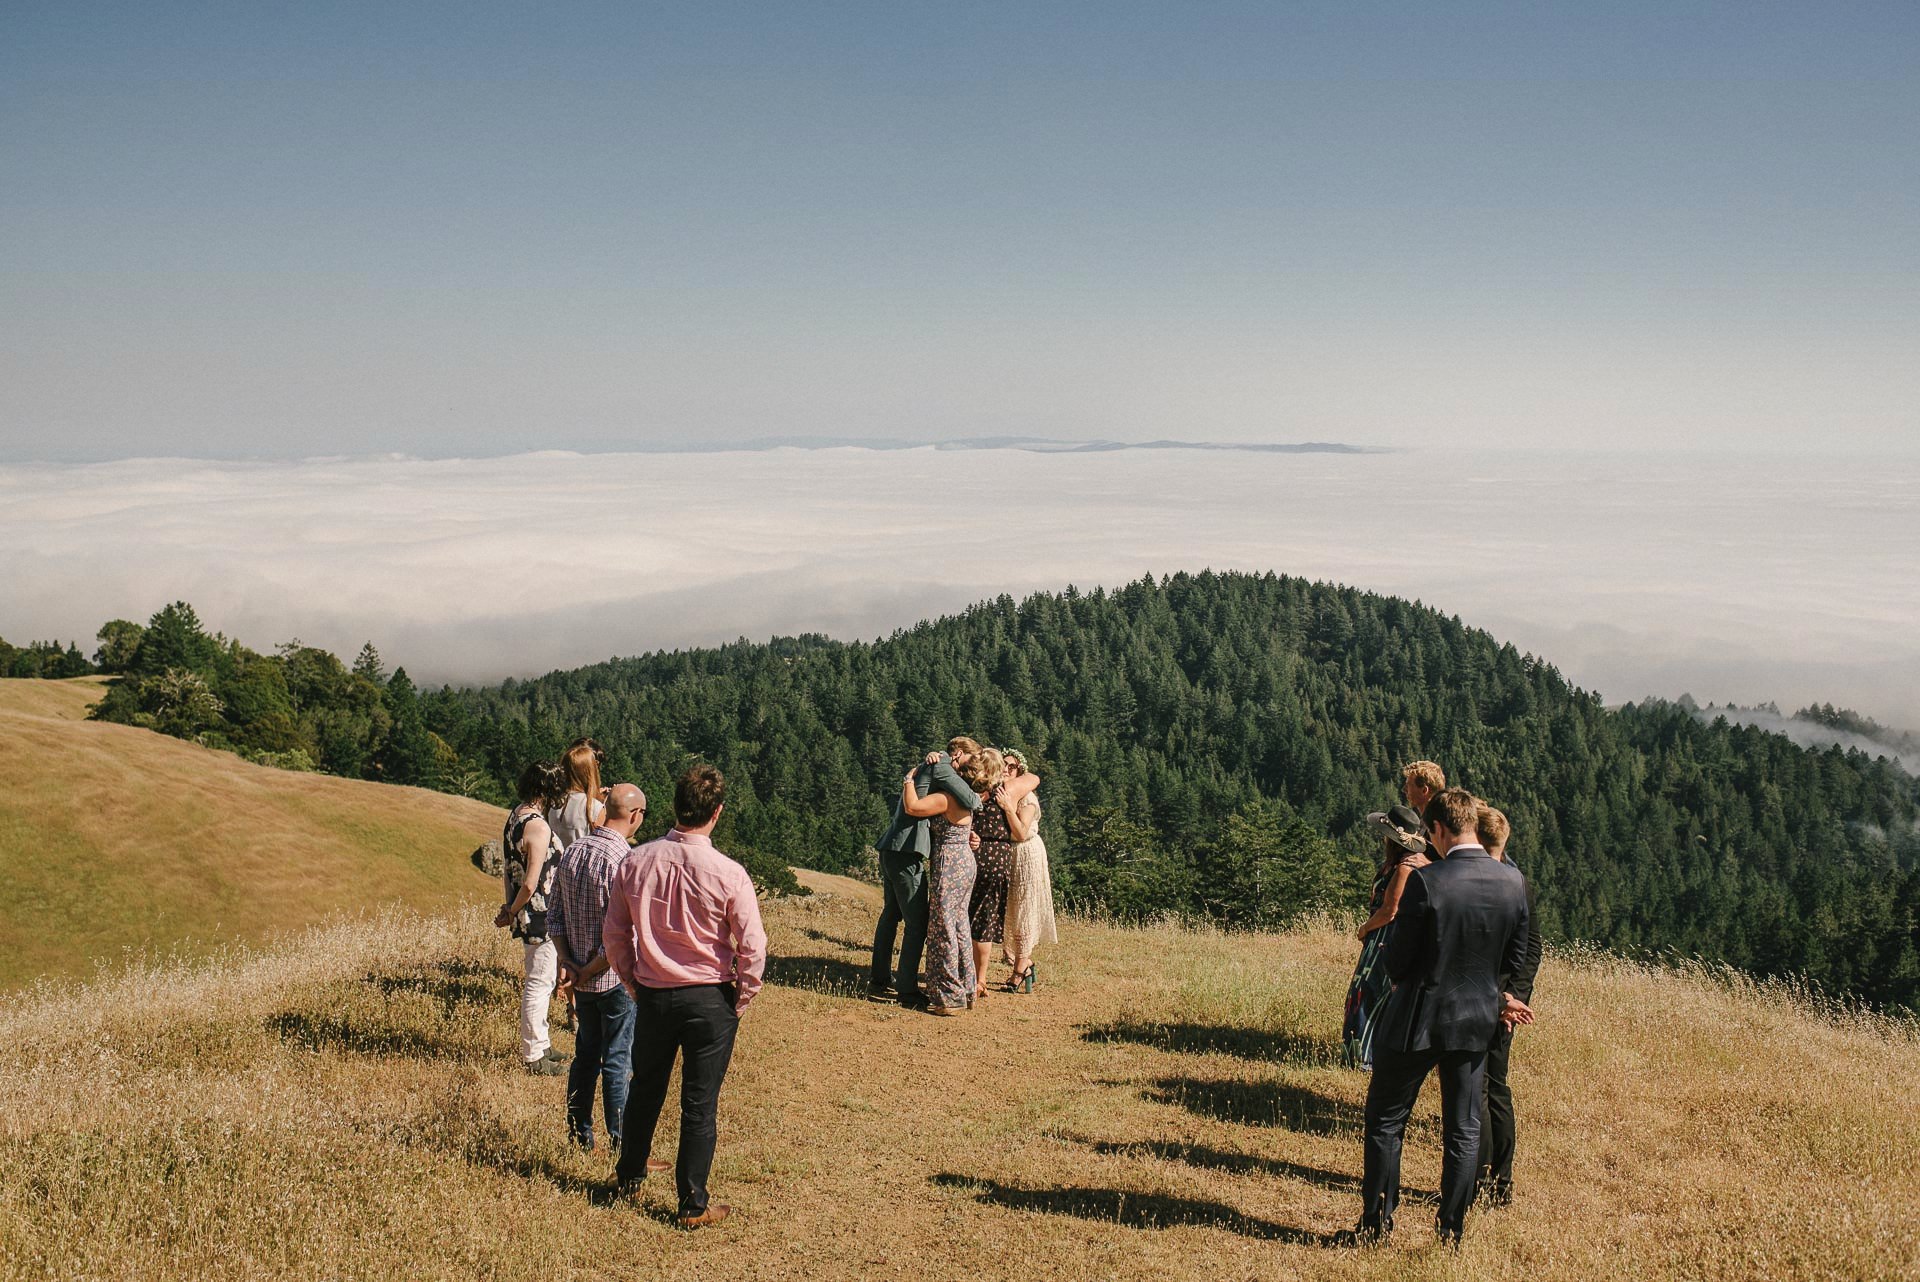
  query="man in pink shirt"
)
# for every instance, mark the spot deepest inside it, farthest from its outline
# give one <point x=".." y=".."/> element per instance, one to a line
<point x="683" y="933"/>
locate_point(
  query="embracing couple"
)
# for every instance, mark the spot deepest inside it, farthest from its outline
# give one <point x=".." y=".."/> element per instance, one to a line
<point x="937" y="895"/>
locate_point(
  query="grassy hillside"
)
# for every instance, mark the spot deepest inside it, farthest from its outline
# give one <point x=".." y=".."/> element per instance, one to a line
<point x="1166" y="1106"/>
<point x="114" y="837"/>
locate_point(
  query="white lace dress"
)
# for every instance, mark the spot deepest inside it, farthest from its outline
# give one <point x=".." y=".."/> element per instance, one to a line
<point x="1029" y="891"/>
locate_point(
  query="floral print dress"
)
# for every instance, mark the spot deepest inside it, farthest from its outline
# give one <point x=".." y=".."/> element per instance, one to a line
<point x="950" y="872"/>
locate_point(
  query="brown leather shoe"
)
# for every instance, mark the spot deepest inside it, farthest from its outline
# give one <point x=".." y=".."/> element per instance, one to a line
<point x="715" y="1212"/>
<point x="632" y="1188"/>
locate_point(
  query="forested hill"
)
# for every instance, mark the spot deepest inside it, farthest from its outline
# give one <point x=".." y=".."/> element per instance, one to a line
<point x="1211" y="743"/>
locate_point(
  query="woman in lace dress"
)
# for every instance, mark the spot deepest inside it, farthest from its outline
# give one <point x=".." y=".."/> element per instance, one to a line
<point x="1029" y="917"/>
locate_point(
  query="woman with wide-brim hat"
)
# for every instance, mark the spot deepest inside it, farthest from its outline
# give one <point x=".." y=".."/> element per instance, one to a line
<point x="1403" y="842"/>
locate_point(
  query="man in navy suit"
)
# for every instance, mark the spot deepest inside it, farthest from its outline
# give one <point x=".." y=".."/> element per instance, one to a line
<point x="1462" y="925"/>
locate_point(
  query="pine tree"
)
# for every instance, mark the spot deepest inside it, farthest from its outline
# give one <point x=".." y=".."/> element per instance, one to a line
<point x="368" y="665"/>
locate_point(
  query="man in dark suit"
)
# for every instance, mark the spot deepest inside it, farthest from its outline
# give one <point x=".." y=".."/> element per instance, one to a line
<point x="1462" y="924"/>
<point x="1495" y="1165"/>
<point x="903" y="850"/>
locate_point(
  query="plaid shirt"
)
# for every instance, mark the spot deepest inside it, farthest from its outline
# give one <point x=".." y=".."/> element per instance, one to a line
<point x="580" y="891"/>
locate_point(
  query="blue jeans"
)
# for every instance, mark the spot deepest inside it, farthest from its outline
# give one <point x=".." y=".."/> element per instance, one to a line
<point x="603" y="1048"/>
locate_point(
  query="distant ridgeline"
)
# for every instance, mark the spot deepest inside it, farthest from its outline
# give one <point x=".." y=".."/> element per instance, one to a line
<point x="1210" y="745"/>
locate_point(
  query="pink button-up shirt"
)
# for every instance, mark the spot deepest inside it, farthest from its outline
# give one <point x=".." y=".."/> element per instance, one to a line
<point x="681" y="913"/>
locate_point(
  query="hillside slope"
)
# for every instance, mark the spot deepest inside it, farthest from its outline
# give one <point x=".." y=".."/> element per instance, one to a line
<point x="1166" y="1106"/>
<point x="115" y="837"/>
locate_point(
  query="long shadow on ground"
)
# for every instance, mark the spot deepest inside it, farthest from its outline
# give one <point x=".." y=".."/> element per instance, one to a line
<point x="1131" y="1209"/>
<point x="1263" y="1044"/>
<point x="834" y="976"/>
<point x="1261" y="1104"/>
<point x="838" y="941"/>
<point x="504" y="1159"/>
<point x="439" y="1011"/>
<point x="452" y="983"/>
<point x="464" y="1128"/>
<point x="1215" y="1159"/>
<point x="357" y="1037"/>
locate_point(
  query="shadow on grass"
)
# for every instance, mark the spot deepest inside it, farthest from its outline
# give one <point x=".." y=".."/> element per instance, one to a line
<point x="833" y="976"/>
<point x="1215" y="1159"/>
<point x="598" y="1192"/>
<point x="838" y="941"/>
<point x="446" y="1010"/>
<point x="462" y="1127"/>
<point x="1266" y="1045"/>
<point x="452" y="983"/>
<point x="314" y="1032"/>
<point x="1132" y="1210"/>
<point x="1261" y="1104"/>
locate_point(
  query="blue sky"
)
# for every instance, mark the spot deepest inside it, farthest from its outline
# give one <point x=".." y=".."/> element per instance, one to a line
<point x="472" y="230"/>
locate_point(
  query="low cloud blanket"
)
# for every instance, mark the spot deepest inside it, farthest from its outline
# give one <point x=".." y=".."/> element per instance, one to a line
<point x="1766" y="578"/>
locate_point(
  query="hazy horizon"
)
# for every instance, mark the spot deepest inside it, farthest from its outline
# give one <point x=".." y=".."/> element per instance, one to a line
<point x="1749" y="581"/>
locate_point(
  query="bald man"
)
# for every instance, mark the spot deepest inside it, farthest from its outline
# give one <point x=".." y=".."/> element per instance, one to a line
<point x="603" y="1047"/>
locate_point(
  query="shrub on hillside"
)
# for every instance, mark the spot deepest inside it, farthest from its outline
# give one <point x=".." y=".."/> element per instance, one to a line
<point x="772" y="878"/>
<point x="299" y="708"/>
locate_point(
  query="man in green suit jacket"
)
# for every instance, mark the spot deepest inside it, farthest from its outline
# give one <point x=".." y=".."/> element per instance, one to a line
<point x="903" y="849"/>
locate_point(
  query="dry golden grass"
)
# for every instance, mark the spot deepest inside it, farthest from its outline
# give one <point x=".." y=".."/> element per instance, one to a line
<point x="1166" y="1106"/>
<point x="112" y="837"/>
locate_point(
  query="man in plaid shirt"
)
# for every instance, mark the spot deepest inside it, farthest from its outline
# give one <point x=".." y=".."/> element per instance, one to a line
<point x="603" y="1047"/>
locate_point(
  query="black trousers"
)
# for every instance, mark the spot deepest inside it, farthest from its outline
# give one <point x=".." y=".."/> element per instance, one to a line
<point x="1397" y="1078"/>
<point x="698" y="1024"/>
<point x="1495" y="1165"/>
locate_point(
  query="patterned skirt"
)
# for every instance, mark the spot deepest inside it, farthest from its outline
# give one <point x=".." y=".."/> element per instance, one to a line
<point x="950" y="871"/>
<point x="987" y="908"/>
<point x="1366" y="999"/>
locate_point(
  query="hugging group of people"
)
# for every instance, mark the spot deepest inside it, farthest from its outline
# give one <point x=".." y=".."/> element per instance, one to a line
<point x="1449" y="952"/>
<point x="962" y="868"/>
<point x="662" y="943"/>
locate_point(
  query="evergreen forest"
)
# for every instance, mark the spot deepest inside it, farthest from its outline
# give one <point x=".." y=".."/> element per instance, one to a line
<point x="1210" y="745"/>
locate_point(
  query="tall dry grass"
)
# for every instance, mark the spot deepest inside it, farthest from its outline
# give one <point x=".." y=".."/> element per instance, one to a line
<point x="1168" y="1105"/>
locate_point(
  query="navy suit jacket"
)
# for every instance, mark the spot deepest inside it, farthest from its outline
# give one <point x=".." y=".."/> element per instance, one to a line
<point x="1462" y="927"/>
<point x="908" y="834"/>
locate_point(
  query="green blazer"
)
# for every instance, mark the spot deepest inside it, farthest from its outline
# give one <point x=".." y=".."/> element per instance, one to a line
<point x="907" y="834"/>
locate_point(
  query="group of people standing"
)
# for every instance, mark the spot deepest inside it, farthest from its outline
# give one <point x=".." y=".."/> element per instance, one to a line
<point x="962" y="868"/>
<point x="1449" y="953"/>
<point x="662" y="944"/>
<point x="664" y="948"/>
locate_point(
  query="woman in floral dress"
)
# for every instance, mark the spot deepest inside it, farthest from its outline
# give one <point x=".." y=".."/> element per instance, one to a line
<point x="951" y="978"/>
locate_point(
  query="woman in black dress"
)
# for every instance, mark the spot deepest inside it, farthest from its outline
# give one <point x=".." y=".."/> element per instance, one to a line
<point x="987" y="910"/>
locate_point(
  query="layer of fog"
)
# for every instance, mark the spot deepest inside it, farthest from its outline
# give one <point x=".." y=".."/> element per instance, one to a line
<point x="1816" y="734"/>
<point x="1736" y="580"/>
